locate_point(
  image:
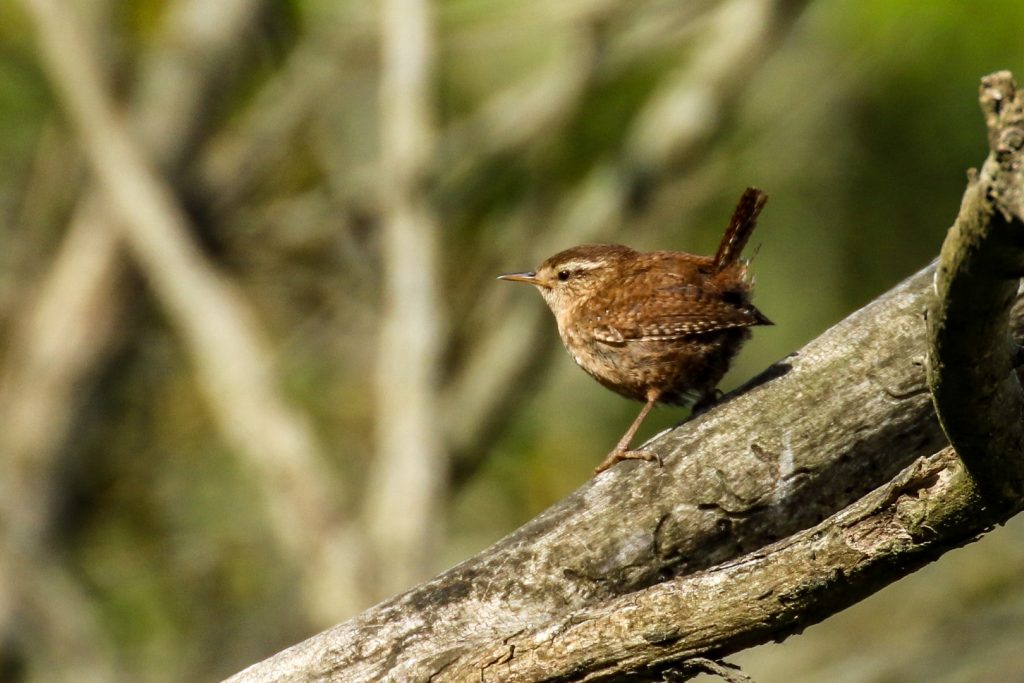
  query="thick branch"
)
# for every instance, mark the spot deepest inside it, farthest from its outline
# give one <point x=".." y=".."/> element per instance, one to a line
<point x="766" y="595"/>
<point x="977" y="393"/>
<point x="810" y="436"/>
<point x="586" y="591"/>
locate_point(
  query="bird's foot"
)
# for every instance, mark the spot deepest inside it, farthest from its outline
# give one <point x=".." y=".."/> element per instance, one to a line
<point x="623" y="454"/>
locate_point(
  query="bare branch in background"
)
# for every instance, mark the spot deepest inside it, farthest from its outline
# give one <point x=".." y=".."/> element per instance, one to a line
<point x="70" y="324"/>
<point x="44" y="366"/>
<point x="58" y="344"/>
<point x="55" y="609"/>
<point x="689" y="108"/>
<point x="403" y="505"/>
<point x="232" y="360"/>
<point x="69" y="327"/>
<point x="515" y="117"/>
<point x="239" y="156"/>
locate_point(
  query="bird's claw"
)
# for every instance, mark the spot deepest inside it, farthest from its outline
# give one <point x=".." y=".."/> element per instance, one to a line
<point x="623" y="454"/>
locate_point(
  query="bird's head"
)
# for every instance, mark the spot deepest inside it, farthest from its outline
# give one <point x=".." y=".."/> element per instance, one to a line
<point x="574" y="275"/>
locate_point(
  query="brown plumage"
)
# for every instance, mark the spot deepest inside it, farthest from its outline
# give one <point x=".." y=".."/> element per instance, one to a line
<point x="657" y="326"/>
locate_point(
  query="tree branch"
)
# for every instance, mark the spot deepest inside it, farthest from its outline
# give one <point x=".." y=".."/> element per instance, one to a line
<point x="766" y="595"/>
<point x="410" y="462"/>
<point x="810" y="436"/>
<point x="972" y="358"/>
<point x="613" y="580"/>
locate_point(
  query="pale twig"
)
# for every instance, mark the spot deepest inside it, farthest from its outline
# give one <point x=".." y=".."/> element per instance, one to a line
<point x="690" y="107"/>
<point x="406" y="479"/>
<point x="35" y="408"/>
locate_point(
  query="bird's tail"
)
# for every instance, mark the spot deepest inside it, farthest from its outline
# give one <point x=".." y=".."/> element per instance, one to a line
<point x="741" y="227"/>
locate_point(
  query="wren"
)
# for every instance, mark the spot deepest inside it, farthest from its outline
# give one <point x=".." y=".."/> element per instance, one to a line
<point x="660" y="326"/>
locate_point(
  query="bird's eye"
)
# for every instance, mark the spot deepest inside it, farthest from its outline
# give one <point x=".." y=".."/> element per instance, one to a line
<point x="563" y="275"/>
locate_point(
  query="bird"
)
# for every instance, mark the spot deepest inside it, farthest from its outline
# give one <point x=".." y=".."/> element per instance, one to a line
<point x="656" y="327"/>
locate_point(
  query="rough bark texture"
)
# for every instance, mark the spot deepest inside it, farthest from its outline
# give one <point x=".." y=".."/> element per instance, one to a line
<point x="765" y="595"/>
<point x="809" y="436"/>
<point x="612" y="582"/>
<point x="971" y="371"/>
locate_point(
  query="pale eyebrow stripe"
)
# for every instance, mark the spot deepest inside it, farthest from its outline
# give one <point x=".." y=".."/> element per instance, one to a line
<point x="581" y="265"/>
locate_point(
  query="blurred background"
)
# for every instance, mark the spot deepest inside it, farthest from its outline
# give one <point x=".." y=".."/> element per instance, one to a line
<point x="328" y="397"/>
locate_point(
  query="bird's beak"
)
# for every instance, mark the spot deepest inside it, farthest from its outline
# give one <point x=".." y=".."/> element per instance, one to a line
<point x="529" y="278"/>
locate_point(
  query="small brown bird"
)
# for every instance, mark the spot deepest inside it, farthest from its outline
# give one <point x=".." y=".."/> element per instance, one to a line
<point x="658" y="326"/>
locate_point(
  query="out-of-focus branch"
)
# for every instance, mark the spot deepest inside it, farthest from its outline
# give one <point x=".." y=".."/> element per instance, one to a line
<point x="604" y="40"/>
<point x="56" y="610"/>
<point x="32" y="397"/>
<point x="409" y="467"/>
<point x="238" y="158"/>
<point x="691" y="107"/>
<point x="516" y="116"/>
<point x="35" y="413"/>
<point x="68" y="325"/>
<point x="200" y="48"/>
<point x="232" y="360"/>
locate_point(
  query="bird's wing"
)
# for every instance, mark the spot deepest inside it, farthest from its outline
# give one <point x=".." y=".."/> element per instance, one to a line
<point x="677" y="311"/>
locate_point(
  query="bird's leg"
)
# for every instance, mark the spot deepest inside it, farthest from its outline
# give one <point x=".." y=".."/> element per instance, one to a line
<point x="621" y="450"/>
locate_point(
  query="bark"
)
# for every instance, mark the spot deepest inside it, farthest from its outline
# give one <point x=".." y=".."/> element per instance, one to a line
<point x="971" y="367"/>
<point x="765" y="595"/>
<point x="612" y="583"/>
<point x="816" y="431"/>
